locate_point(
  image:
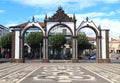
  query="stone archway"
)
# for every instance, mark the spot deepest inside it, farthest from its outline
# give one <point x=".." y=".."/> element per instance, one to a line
<point x="102" y="56"/>
<point x="60" y="18"/>
<point x="18" y="39"/>
<point x="69" y="36"/>
<point x="23" y="37"/>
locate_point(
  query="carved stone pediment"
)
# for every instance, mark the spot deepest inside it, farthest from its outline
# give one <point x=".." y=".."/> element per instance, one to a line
<point x="60" y="16"/>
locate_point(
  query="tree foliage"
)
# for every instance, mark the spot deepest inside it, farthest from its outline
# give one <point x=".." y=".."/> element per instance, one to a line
<point x="83" y="42"/>
<point x="34" y="39"/>
<point x="6" y="41"/>
<point x="57" y="41"/>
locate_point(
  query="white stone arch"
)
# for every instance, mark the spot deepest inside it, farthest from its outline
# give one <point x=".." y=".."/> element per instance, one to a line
<point x="89" y="24"/>
<point x="57" y="24"/>
<point x="29" y="25"/>
<point x="69" y="27"/>
<point x="28" y="47"/>
<point x="99" y="39"/>
<point x="60" y="18"/>
<point x="32" y="25"/>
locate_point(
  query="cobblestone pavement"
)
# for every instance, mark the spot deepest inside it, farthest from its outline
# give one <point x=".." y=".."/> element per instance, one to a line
<point x="59" y="73"/>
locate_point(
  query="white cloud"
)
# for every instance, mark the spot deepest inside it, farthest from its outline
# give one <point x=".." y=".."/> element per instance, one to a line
<point x="40" y="16"/>
<point x="113" y="25"/>
<point x="11" y="24"/>
<point x="95" y="14"/>
<point x="1" y="11"/>
<point x="64" y="3"/>
<point x="80" y="16"/>
<point x="111" y="1"/>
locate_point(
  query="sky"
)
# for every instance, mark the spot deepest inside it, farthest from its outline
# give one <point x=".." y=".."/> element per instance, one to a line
<point x="103" y="12"/>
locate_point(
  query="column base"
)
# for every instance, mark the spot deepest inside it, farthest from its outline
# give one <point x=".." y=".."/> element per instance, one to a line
<point x="99" y="60"/>
<point x="107" y="60"/>
<point x="17" y="61"/>
<point x="74" y="60"/>
<point x="45" y="60"/>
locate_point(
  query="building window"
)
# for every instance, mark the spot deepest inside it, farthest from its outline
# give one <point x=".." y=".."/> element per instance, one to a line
<point x="64" y="31"/>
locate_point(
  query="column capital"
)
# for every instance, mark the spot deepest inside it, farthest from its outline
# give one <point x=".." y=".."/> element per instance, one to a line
<point x="99" y="36"/>
<point x="105" y="29"/>
<point x="20" y="37"/>
<point x="74" y="36"/>
<point x="45" y="37"/>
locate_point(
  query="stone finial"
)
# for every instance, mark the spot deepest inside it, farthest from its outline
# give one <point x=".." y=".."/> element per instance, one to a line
<point x="59" y="8"/>
<point x="33" y="19"/>
<point x="87" y="18"/>
<point x="74" y="17"/>
<point x="46" y="17"/>
<point x="99" y="27"/>
<point x="28" y="21"/>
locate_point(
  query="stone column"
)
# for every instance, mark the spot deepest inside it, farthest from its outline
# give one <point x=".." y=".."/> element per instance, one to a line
<point x="107" y="45"/>
<point x="100" y="48"/>
<point x="16" y="47"/>
<point x="73" y="48"/>
<point x="22" y="57"/>
<point x="45" y="50"/>
<point x="76" y="49"/>
<point x="97" y="49"/>
<point x="13" y="46"/>
<point x="99" y="59"/>
<point x="74" y="54"/>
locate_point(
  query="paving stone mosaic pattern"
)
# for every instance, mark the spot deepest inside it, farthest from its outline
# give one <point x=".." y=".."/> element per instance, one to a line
<point x="59" y="73"/>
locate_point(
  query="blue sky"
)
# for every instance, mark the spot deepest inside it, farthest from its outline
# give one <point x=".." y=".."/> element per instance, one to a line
<point x="103" y="12"/>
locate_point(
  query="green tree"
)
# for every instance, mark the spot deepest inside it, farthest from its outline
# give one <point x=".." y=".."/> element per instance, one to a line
<point x="83" y="43"/>
<point x="6" y="41"/>
<point x="57" y="41"/>
<point x="34" y="39"/>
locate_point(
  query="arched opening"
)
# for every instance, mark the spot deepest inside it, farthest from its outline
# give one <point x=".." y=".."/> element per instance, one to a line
<point x="65" y="51"/>
<point x="92" y="52"/>
<point x="32" y="43"/>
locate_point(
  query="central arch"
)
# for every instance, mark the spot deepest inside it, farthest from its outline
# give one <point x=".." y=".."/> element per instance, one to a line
<point x="58" y="25"/>
<point x="68" y="36"/>
<point x="60" y="18"/>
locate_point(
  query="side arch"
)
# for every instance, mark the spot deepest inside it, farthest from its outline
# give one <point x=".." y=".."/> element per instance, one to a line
<point x="98" y="40"/>
<point x="32" y="26"/>
<point x="28" y="26"/>
<point x="88" y="26"/>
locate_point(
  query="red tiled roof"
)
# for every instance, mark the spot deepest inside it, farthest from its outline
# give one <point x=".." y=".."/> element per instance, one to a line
<point x="42" y="24"/>
<point x="115" y="41"/>
<point x="91" y="38"/>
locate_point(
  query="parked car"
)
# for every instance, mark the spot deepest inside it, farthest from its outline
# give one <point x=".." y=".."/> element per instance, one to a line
<point x="93" y="57"/>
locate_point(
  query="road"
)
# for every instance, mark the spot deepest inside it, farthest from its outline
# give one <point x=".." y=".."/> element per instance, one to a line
<point x="59" y="73"/>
